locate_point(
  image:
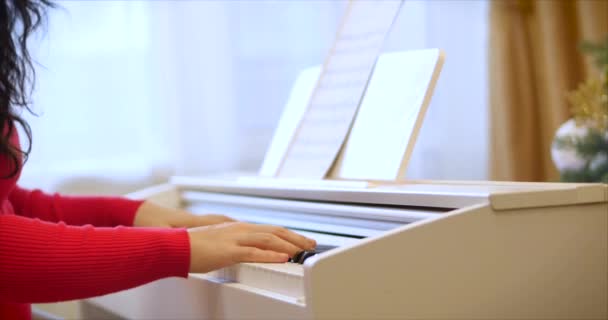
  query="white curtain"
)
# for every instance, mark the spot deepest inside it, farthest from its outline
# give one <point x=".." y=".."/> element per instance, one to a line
<point x="131" y="92"/>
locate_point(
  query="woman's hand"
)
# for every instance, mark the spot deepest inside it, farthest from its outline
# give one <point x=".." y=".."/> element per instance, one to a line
<point x="153" y="215"/>
<point x="218" y="246"/>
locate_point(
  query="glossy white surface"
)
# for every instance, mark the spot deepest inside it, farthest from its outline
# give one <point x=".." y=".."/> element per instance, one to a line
<point x="525" y="250"/>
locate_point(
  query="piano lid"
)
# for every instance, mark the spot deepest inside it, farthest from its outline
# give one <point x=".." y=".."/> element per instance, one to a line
<point x="440" y="194"/>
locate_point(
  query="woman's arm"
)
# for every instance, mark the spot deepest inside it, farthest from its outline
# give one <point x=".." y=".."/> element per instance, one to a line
<point x="46" y="262"/>
<point x="74" y="210"/>
<point x="105" y="211"/>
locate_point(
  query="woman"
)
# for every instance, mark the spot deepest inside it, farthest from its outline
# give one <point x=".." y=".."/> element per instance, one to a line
<point x="49" y="249"/>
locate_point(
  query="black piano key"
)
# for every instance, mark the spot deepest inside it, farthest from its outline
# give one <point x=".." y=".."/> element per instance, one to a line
<point x="301" y="256"/>
<point x="323" y="247"/>
<point x="306" y="255"/>
<point x="296" y="257"/>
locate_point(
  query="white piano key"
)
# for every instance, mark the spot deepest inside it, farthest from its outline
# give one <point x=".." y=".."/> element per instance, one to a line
<point x="279" y="278"/>
<point x="284" y="278"/>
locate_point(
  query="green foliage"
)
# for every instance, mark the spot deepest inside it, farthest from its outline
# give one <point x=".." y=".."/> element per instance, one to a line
<point x="599" y="51"/>
<point x="593" y="149"/>
<point x="586" y="175"/>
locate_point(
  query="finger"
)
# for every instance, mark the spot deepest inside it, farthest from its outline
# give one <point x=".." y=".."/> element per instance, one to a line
<point x="210" y="219"/>
<point x="268" y="241"/>
<point x="251" y="254"/>
<point x="298" y="240"/>
<point x="219" y="218"/>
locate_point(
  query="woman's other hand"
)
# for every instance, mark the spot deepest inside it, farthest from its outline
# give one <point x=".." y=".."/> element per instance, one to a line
<point x="153" y="215"/>
<point x="221" y="245"/>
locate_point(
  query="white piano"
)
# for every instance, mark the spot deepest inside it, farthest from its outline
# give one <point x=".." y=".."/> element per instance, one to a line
<point x="410" y="250"/>
<point x="399" y="249"/>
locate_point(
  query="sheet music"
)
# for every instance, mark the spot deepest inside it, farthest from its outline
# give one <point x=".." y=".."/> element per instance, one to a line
<point x="294" y="110"/>
<point x="339" y="90"/>
<point x="392" y="112"/>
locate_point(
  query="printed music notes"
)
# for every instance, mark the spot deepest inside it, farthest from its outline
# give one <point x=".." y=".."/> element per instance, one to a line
<point x="339" y="90"/>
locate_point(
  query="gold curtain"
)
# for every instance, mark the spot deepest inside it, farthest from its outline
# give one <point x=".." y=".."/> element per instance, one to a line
<point x="534" y="61"/>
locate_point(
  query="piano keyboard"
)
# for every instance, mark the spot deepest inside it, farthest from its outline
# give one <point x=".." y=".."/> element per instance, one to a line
<point x="277" y="278"/>
<point x="282" y="278"/>
<point x="338" y="219"/>
<point x="332" y="225"/>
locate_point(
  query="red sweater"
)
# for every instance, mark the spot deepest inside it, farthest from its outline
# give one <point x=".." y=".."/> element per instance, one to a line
<point x="55" y="248"/>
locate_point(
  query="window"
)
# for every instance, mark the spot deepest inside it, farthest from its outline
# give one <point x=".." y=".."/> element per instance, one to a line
<point x="131" y="92"/>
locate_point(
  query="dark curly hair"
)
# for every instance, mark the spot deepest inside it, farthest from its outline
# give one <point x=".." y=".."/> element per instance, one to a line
<point x="18" y="20"/>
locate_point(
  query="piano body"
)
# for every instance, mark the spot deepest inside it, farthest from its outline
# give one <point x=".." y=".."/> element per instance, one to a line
<point x="416" y="249"/>
<point x="399" y="249"/>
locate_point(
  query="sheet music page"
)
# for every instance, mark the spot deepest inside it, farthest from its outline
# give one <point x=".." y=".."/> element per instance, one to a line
<point x="389" y="118"/>
<point x="290" y="118"/>
<point x="338" y="93"/>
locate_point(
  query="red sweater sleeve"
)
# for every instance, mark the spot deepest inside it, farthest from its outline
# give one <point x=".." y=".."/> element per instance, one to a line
<point x="47" y="262"/>
<point x="74" y="210"/>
